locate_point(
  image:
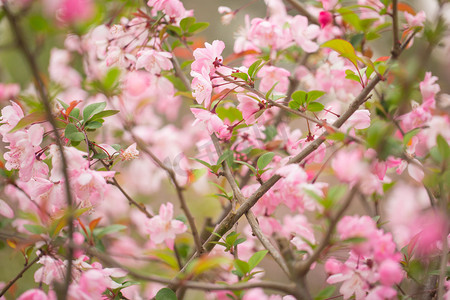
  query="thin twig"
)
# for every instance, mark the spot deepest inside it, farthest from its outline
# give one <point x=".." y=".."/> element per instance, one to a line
<point x="20" y="39"/>
<point x="12" y="281"/>
<point x="304" y="267"/>
<point x="396" y="47"/>
<point x="278" y="286"/>
<point x="299" y="7"/>
<point x="250" y="216"/>
<point x="178" y="188"/>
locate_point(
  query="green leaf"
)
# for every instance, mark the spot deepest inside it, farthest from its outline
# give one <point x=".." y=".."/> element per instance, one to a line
<point x="202" y="162"/>
<point x="264" y="160"/>
<point x="252" y="68"/>
<point x="252" y="168"/>
<point x="313" y="95"/>
<point x="256" y="258"/>
<point x="443" y="147"/>
<point x="174" y="30"/>
<point x="271" y="90"/>
<point x="409" y="135"/>
<point x="239" y="241"/>
<point x="299" y="97"/>
<point x="186" y="23"/>
<point x="294" y="105"/>
<point x="71" y="132"/>
<point x="35" y="229"/>
<point x="93" y="125"/>
<point x="225" y="155"/>
<point x="100" y="232"/>
<point x="111" y="79"/>
<point x="30" y="119"/>
<point x="326" y="293"/>
<point x="241" y="266"/>
<point x="240" y="75"/>
<point x="337" y="136"/>
<point x="104" y="114"/>
<point x="344" y="48"/>
<point x="93" y="109"/>
<point x="166" y="294"/>
<point x="198" y="27"/>
<point x="315" y="106"/>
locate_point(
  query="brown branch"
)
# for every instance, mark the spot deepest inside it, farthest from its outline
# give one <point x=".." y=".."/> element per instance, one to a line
<point x="299" y="7"/>
<point x="178" y="188"/>
<point x="21" y="43"/>
<point x="12" y="281"/>
<point x="278" y="286"/>
<point x="304" y="267"/>
<point x="396" y="47"/>
<point x="250" y="216"/>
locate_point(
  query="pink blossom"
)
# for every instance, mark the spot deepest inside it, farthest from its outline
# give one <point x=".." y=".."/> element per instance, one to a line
<point x="328" y="4"/>
<point x="154" y="61"/>
<point x="35" y="294"/>
<point x="202" y="87"/>
<point x="130" y="153"/>
<point x="5" y="210"/>
<point x="10" y="116"/>
<point x="360" y="119"/>
<point x="162" y="228"/>
<point x="390" y="272"/>
<point x="381" y="293"/>
<point x="50" y="271"/>
<point x="348" y="172"/>
<point x="9" y="91"/>
<point x="325" y="18"/>
<point x="265" y="33"/>
<point x="303" y="34"/>
<point x="22" y="147"/>
<point x="70" y="11"/>
<point x="428" y="87"/>
<point x="358" y="227"/>
<point x="415" y="20"/>
<point x="172" y="8"/>
<point x="205" y="57"/>
<point x="212" y="122"/>
<point x="249" y="107"/>
<point x="271" y="75"/>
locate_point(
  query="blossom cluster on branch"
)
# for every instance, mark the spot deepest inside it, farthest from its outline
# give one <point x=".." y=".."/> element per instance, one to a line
<point x="141" y="162"/>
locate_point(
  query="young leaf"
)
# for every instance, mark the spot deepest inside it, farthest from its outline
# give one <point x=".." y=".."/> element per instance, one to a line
<point x="166" y="294"/>
<point x="326" y="293"/>
<point x="225" y="155"/>
<point x="299" y="97"/>
<point x="240" y="75"/>
<point x="256" y="258"/>
<point x="313" y="95"/>
<point x="344" y="48"/>
<point x="252" y="68"/>
<point x="202" y="162"/>
<point x="252" y="168"/>
<point x="264" y="160"/>
<point x="198" y="27"/>
<point x="241" y="266"/>
<point x="315" y="106"/>
<point x="93" y="109"/>
<point x="71" y="132"/>
<point x="111" y="79"/>
<point x="186" y="23"/>
<point x="30" y="119"/>
<point x="104" y="114"/>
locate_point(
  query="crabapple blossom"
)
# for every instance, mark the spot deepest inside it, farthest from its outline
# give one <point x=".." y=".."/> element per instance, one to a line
<point x="5" y="210"/>
<point x="162" y="228"/>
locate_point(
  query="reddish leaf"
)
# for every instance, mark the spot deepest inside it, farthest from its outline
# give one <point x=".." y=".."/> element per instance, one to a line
<point x="94" y="223"/>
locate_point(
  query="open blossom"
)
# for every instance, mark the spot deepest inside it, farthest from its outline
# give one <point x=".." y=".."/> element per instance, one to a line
<point x="202" y="87"/>
<point x="303" y="34"/>
<point x="130" y="153"/>
<point x="428" y="87"/>
<point x="415" y="20"/>
<point x="205" y="57"/>
<point x="70" y="11"/>
<point x="9" y="91"/>
<point x="5" y="210"/>
<point x="172" y="8"/>
<point x="21" y="155"/>
<point x="162" y="228"/>
<point x="154" y="61"/>
<point x="271" y="75"/>
<point x="212" y="122"/>
<point x="37" y="294"/>
<point x="10" y="116"/>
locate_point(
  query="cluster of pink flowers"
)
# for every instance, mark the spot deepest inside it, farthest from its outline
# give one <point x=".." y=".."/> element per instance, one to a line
<point x="373" y="266"/>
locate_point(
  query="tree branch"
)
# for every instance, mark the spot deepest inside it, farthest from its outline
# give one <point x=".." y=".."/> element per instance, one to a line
<point x="20" y="39"/>
<point x="304" y="267"/>
<point x="250" y="216"/>
<point x="278" y="286"/>
<point x="178" y="188"/>
<point x="299" y="7"/>
<point x="12" y="281"/>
